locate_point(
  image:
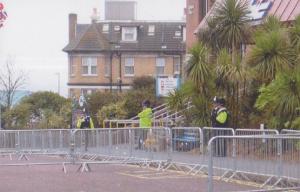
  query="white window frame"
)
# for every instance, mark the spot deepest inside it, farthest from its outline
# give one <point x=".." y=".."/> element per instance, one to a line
<point x="71" y="66"/>
<point x="89" y="62"/>
<point x="184" y="34"/>
<point x="128" y="62"/>
<point x="176" y="64"/>
<point x="151" y="30"/>
<point x="129" y="30"/>
<point x="105" y="28"/>
<point x="177" y="33"/>
<point x="160" y="62"/>
<point x="107" y="67"/>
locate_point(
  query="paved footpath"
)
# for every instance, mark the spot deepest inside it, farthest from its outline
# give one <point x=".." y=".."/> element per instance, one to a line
<point x="103" y="178"/>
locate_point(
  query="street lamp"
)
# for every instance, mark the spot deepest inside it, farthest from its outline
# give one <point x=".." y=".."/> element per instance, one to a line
<point x="58" y="82"/>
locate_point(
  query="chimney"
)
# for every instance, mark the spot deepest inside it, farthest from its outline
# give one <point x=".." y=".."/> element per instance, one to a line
<point x="95" y="16"/>
<point x="72" y="26"/>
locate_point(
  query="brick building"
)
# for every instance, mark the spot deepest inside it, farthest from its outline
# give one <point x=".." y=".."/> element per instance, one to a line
<point x="195" y="12"/>
<point x="107" y="55"/>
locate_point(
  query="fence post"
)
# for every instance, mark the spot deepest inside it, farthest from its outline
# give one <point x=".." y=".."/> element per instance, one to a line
<point x="110" y="141"/>
<point x="201" y="141"/>
<point x="169" y="143"/>
<point x="130" y="142"/>
<point x="72" y="144"/>
<point x="210" y="165"/>
<point x="279" y="157"/>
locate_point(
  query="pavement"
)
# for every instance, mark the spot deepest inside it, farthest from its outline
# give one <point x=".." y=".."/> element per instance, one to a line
<point x="102" y="178"/>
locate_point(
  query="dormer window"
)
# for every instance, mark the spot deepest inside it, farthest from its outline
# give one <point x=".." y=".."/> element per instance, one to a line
<point x="105" y="28"/>
<point x="117" y="28"/>
<point x="177" y="33"/>
<point x="129" y="33"/>
<point x="151" y="30"/>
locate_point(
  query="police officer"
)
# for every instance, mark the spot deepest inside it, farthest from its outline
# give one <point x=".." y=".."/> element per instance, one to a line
<point x="219" y="114"/>
<point x="219" y="119"/>
<point x="145" y="122"/>
<point x="85" y="123"/>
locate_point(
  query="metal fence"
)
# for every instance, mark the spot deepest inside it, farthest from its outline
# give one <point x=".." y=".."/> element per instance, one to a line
<point x="271" y="160"/>
<point x="254" y="155"/>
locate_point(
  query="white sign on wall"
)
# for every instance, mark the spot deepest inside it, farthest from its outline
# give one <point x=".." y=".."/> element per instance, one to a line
<point x="166" y="85"/>
<point x="259" y="9"/>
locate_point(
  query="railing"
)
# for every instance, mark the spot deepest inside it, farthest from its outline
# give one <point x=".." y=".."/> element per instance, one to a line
<point x="228" y="153"/>
<point x="272" y="159"/>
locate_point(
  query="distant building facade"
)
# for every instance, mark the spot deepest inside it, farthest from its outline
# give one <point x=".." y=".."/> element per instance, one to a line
<point x="107" y="55"/>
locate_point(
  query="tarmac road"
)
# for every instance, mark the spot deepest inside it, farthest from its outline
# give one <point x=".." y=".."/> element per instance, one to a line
<point x="103" y="178"/>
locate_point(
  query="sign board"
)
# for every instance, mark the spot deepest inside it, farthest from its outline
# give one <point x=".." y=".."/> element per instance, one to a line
<point x="165" y="85"/>
<point x="259" y="9"/>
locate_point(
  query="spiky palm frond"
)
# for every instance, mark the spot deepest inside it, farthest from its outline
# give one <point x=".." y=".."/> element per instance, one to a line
<point x="281" y="96"/>
<point x="271" y="54"/>
<point x="231" y="22"/>
<point x="198" y="68"/>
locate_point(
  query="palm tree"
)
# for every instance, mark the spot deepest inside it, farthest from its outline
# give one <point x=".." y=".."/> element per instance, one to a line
<point x="271" y="54"/>
<point x="281" y="98"/>
<point x="230" y="81"/>
<point x="230" y="22"/>
<point x="198" y="67"/>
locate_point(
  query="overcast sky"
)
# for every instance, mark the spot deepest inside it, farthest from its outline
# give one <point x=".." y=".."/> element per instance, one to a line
<point x="36" y="31"/>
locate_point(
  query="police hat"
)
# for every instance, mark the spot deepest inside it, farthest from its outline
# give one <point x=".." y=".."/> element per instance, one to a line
<point x="220" y="101"/>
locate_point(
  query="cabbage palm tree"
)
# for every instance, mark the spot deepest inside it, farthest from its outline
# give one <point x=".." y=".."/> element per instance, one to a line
<point x="271" y="54"/>
<point x="281" y="98"/>
<point x="230" y="81"/>
<point x="198" y="68"/>
<point x="230" y="24"/>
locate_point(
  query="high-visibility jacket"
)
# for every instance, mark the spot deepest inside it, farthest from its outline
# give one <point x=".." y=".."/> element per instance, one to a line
<point x="145" y="118"/>
<point x="220" y="117"/>
<point x="84" y="123"/>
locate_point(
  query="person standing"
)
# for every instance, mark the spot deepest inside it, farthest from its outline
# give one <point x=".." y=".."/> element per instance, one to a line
<point x="85" y="123"/>
<point x="219" y="114"/>
<point x="219" y="119"/>
<point x="145" y="122"/>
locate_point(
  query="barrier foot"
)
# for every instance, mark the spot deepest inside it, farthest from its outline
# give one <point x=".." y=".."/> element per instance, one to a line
<point x="84" y="167"/>
<point x="23" y="156"/>
<point x="64" y="169"/>
<point x="265" y="183"/>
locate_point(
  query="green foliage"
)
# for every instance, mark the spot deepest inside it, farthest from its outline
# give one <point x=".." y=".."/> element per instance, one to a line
<point x="111" y="111"/>
<point x="271" y="54"/>
<point x="281" y="98"/>
<point x="97" y="100"/>
<point x="133" y="101"/>
<point x="144" y="82"/>
<point x="198" y="68"/>
<point x="230" y="23"/>
<point x="40" y="110"/>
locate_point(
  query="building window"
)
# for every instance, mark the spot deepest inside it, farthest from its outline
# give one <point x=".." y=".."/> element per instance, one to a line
<point x="107" y="67"/>
<point x="129" y="33"/>
<point x="105" y="28"/>
<point x="117" y="28"/>
<point x="160" y="66"/>
<point x="89" y="66"/>
<point x="129" y="66"/>
<point x="151" y="30"/>
<point x="177" y="33"/>
<point x="71" y="66"/>
<point x="176" y="63"/>
<point x="85" y="92"/>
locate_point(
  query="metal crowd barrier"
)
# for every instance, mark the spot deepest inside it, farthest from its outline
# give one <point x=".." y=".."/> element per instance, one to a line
<point x="271" y="160"/>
